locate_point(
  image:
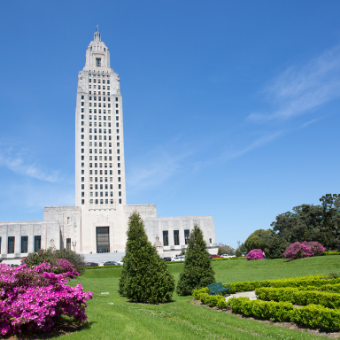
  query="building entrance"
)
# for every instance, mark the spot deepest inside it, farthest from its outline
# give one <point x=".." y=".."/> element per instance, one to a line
<point x="103" y="240"/>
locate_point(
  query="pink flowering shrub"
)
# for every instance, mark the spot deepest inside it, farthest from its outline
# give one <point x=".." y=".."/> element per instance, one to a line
<point x="299" y="250"/>
<point x="255" y="254"/>
<point x="33" y="299"/>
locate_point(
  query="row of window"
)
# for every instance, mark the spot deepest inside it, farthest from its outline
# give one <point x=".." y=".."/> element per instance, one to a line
<point x="99" y="124"/>
<point x="99" y="105"/>
<point x="23" y="244"/>
<point x="99" y="130"/>
<point x="98" y="194"/>
<point x="98" y="80"/>
<point x="95" y="87"/>
<point x="99" y="111"/>
<point x="100" y="158"/>
<point x="176" y="237"/>
<point x="101" y="201"/>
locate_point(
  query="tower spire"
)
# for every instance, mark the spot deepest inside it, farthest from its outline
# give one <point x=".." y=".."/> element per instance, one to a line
<point x="97" y="34"/>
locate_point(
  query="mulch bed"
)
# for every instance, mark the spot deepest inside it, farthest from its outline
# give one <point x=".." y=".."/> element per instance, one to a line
<point x="289" y="325"/>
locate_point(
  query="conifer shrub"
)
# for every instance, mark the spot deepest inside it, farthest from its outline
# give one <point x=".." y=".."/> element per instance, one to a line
<point x="145" y="276"/>
<point x="197" y="271"/>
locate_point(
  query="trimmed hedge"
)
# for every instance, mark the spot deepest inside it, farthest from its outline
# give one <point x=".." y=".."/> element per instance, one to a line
<point x="100" y="267"/>
<point x="335" y="288"/>
<point x="299" y="297"/>
<point x="295" y="282"/>
<point x="262" y="309"/>
<point x="331" y="253"/>
<point x="312" y="315"/>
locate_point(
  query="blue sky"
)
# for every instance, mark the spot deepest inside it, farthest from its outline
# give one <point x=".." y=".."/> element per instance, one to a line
<point x="231" y="108"/>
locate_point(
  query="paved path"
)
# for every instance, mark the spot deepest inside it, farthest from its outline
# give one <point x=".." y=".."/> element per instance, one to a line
<point x="250" y="294"/>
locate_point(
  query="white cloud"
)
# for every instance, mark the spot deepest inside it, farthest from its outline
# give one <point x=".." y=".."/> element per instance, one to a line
<point x="17" y="164"/>
<point x="300" y="90"/>
<point x="257" y="143"/>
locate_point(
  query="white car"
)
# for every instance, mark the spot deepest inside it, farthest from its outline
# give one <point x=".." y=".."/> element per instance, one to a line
<point x="101" y="264"/>
<point x="226" y="256"/>
<point x="119" y="263"/>
<point x="179" y="258"/>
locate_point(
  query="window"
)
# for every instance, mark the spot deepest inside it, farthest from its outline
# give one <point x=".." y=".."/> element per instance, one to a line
<point x="165" y="238"/>
<point x="176" y="237"/>
<point x="10" y="246"/>
<point x="68" y="244"/>
<point x="98" y="63"/>
<point x="210" y="240"/>
<point x="0" y="244"/>
<point x="120" y="201"/>
<point x="116" y="99"/>
<point x="24" y="244"/>
<point x="82" y="201"/>
<point x="186" y="236"/>
<point x="37" y="243"/>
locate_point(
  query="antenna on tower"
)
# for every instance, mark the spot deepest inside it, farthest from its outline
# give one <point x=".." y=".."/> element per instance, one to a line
<point x="97" y="27"/>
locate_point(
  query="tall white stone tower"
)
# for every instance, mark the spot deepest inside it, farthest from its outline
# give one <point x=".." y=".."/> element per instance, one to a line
<point x="99" y="166"/>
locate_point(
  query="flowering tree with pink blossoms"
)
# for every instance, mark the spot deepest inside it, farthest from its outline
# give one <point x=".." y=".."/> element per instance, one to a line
<point x="34" y="299"/>
<point x="255" y="254"/>
<point x="299" y="250"/>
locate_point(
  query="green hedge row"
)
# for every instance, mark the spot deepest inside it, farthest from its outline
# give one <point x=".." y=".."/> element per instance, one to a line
<point x="312" y="315"/>
<point x="331" y="253"/>
<point x="335" y="288"/>
<point x="299" y="297"/>
<point x="100" y="267"/>
<point x="294" y="282"/>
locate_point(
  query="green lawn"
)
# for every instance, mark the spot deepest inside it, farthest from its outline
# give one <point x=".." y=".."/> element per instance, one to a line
<point x="181" y="319"/>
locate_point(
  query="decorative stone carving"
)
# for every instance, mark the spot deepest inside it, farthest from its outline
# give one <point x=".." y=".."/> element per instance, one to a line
<point x="157" y="243"/>
<point x="102" y="218"/>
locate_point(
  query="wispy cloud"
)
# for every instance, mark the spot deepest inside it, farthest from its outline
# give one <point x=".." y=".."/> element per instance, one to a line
<point x="257" y="143"/>
<point x="157" y="166"/>
<point x="299" y="90"/>
<point x="16" y="163"/>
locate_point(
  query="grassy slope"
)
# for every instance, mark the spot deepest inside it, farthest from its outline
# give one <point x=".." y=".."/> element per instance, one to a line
<point x="181" y="319"/>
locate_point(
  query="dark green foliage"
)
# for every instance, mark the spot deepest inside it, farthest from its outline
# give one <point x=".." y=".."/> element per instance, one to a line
<point x="145" y="276"/>
<point x="312" y="222"/>
<point x="257" y="240"/>
<point x="197" y="272"/>
<point x="50" y="255"/>
<point x="268" y="241"/>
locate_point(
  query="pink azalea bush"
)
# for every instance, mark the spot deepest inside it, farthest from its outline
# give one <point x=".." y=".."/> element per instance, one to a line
<point x="255" y="254"/>
<point x="33" y="299"/>
<point x="299" y="250"/>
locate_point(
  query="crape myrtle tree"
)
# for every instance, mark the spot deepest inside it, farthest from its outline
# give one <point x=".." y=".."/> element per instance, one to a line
<point x="145" y="276"/>
<point x="197" y="272"/>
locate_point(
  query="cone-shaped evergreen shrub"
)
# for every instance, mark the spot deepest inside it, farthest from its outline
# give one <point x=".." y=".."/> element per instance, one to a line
<point x="197" y="272"/>
<point x="145" y="276"/>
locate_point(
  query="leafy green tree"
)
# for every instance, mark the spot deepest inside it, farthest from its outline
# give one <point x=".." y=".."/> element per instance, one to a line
<point x="197" y="271"/>
<point x="145" y="276"/>
<point x="303" y="224"/>
<point x="268" y="241"/>
<point x="256" y="240"/>
<point x="225" y="249"/>
<point x="50" y="255"/>
<point x="330" y="219"/>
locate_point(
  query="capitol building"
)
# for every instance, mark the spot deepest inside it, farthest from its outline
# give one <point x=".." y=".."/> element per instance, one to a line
<point x="96" y="226"/>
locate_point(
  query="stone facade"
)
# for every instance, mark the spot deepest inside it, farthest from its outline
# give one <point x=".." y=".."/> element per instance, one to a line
<point x="96" y="226"/>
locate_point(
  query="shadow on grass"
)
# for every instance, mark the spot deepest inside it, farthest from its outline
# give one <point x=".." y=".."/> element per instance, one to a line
<point x="60" y="328"/>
